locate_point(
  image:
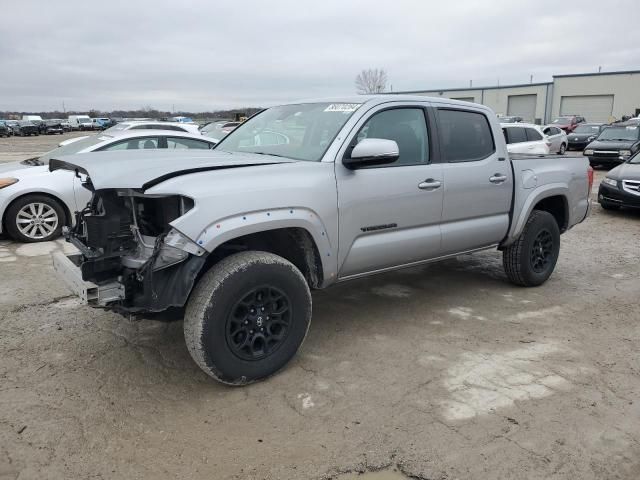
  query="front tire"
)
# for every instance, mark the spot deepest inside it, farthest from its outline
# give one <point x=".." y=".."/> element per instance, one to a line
<point x="530" y="261"/>
<point x="247" y="317"/>
<point x="34" y="218"/>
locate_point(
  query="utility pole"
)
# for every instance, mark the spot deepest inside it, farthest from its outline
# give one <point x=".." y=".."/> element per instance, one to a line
<point x="599" y="69"/>
<point x="470" y="83"/>
<point x="64" y="110"/>
<point x="531" y="79"/>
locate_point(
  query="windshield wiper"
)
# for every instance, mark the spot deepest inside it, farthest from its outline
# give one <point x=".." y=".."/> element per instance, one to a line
<point x="34" y="162"/>
<point x="270" y="154"/>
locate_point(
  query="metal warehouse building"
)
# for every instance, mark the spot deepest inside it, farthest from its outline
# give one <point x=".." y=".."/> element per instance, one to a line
<point x="599" y="97"/>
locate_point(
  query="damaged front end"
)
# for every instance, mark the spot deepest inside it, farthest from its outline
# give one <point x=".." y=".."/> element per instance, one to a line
<point x="131" y="260"/>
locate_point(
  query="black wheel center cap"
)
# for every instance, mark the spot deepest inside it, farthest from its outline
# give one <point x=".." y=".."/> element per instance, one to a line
<point x="259" y="321"/>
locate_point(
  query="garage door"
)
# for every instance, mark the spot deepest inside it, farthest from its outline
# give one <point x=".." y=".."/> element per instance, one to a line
<point x="595" y="108"/>
<point x="522" y="106"/>
<point x="465" y="99"/>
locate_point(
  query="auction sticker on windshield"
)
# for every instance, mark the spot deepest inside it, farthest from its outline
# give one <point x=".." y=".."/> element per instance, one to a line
<point x="342" y="107"/>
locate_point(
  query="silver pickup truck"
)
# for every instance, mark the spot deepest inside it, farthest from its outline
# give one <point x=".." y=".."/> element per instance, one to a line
<point x="303" y="196"/>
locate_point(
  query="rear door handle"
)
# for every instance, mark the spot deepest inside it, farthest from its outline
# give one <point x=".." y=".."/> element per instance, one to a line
<point x="430" y="184"/>
<point x="498" y="178"/>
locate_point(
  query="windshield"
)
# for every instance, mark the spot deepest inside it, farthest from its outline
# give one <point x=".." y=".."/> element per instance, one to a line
<point x="620" y="133"/>
<point x="73" y="147"/>
<point x="301" y="132"/>
<point x="562" y="120"/>
<point x="587" y="129"/>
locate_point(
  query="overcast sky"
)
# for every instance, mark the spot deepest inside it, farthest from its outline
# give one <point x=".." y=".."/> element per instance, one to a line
<point x="205" y="55"/>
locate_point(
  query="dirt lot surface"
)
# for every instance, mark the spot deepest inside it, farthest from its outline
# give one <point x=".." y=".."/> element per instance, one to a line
<point x="19" y="148"/>
<point x="441" y="372"/>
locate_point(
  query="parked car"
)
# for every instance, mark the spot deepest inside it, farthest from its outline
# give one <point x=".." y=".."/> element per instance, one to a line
<point x="621" y="186"/>
<point x="35" y="204"/>
<point x="32" y="118"/>
<point x="614" y="145"/>
<point x="180" y="119"/>
<point x="525" y="138"/>
<point x="154" y="125"/>
<point x="510" y="119"/>
<point x="23" y="128"/>
<point x="53" y="127"/>
<point x="13" y="126"/>
<point x="40" y="126"/>
<point x="219" y="130"/>
<point x="568" y="123"/>
<point x="4" y="129"/>
<point x="80" y="122"/>
<point x="100" y="123"/>
<point x="584" y="134"/>
<point x="240" y="234"/>
<point x="557" y="137"/>
<point x="66" y="126"/>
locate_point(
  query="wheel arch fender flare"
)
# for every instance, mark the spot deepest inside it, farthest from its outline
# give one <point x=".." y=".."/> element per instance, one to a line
<point x="534" y="198"/>
<point x="235" y="226"/>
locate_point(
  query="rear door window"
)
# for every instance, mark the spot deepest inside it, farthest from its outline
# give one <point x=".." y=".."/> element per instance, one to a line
<point x="465" y="136"/>
<point x="133" y="144"/>
<point x="533" y="135"/>
<point x="178" y="143"/>
<point x="515" y="135"/>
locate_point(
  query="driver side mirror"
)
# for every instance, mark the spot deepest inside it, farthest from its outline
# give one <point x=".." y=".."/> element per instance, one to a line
<point x="372" y="151"/>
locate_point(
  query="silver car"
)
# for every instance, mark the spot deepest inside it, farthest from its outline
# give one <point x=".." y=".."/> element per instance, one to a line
<point x="304" y="196"/>
<point x="36" y="203"/>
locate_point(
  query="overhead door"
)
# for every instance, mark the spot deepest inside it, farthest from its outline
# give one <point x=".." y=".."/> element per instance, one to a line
<point x="464" y="99"/>
<point x="594" y="108"/>
<point x="522" y="106"/>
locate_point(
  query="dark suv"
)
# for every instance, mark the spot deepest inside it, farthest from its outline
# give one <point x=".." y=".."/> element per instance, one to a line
<point x="568" y="123"/>
<point x="4" y="129"/>
<point x="615" y="145"/>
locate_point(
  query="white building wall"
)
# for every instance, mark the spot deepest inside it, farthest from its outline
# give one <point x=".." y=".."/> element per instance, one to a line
<point x="625" y="88"/>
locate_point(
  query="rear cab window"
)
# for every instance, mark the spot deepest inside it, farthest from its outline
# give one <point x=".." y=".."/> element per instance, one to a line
<point x="465" y="136"/>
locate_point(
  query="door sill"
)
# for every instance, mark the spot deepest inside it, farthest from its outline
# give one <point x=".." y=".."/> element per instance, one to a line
<point x="413" y="264"/>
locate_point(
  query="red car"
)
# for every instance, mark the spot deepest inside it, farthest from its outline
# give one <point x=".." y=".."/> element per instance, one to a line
<point x="568" y="123"/>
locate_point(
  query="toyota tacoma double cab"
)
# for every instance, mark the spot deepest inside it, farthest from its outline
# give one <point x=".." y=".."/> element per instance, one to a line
<point x="303" y="196"/>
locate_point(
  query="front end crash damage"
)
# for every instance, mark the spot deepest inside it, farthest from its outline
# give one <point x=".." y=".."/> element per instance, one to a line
<point x="131" y="259"/>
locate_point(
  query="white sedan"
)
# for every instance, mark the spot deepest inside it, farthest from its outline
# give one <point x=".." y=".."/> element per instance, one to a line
<point x="36" y="203"/>
<point x="525" y="138"/>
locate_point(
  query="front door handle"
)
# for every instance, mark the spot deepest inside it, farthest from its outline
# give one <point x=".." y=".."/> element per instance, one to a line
<point x="498" y="178"/>
<point x="430" y="184"/>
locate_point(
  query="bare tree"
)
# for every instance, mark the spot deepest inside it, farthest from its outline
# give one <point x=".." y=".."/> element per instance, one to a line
<point x="371" y="81"/>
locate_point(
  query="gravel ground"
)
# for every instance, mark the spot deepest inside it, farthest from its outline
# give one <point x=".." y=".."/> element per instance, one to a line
<point x="444" y="371"/>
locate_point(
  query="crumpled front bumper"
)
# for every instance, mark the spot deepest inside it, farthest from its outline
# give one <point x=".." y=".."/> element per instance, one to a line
<point x="96" y="295"/>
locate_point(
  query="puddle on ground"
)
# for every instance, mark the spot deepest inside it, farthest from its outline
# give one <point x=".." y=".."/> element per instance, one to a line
<point x="391" y="474"/>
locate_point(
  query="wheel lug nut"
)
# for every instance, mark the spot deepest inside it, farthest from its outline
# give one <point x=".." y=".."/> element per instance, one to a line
<point x="262" y="309"/>
<point x="250" y="331"/>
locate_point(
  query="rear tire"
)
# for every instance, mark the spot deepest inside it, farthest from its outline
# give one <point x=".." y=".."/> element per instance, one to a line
<point x="563" y="149"/>
<point x="530" y="261"/>
<point x="247" y="317"/>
